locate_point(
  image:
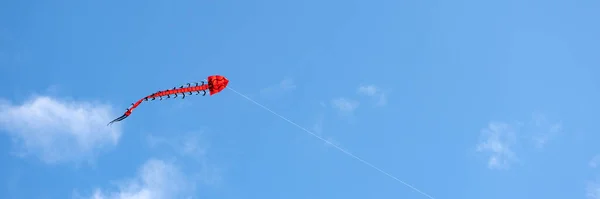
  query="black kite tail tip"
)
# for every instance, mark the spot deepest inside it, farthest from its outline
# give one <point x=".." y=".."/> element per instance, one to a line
<point x="117" y="120"/>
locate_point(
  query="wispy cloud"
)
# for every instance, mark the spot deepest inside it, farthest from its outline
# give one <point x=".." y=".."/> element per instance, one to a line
<point x="186" y="145"/>
<point x="593" y="187"/>
<point x="156" y="179"/>
<point x="345" y="105"/>
<point x="595" y="161"/>
<point x="374" y="92"/>
<point x="58" y="130"/>
<point x="593" y="190"/>
<point x="497" y="140"/>
<point x="543" y="130"/>
<point x="177" y="175"/>
<point x="500" y="139"/>
<point x="285" y="85"/>
<point x="318" y="129"/>
<point x="194" y="151"/>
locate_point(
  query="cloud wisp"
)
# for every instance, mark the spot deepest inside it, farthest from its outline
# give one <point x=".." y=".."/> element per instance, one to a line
<point x="318" y="129"/>
<point x="58" y="131"/>
<point x="177" y="175"/>
<point x="344" y="105"/>
<point x="156" y="179"/>
<point x="593" y="187"/>
<point x="499" y="140"/>
<point x="543" y="130"/>
<point x="593" y="190"/>
<point x="278" y="89"/>
<point x="374" y="92"/>
<point x="192" y="150"/>
<point x="595" y="161"/>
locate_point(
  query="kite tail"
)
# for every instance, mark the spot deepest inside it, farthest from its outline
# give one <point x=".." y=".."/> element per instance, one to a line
<point x="190" y="89"/>
<point x="182" y="90"/>
<point x="118" y="119"/>
<point x="215" y="84"/>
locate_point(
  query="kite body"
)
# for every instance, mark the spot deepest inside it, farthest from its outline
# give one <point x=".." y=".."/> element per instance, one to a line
<point x="214" y="85"/>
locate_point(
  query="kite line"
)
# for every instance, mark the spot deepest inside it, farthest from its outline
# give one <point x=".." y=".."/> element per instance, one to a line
<point x="332" y="144"/>
<point x="217" y="83"/>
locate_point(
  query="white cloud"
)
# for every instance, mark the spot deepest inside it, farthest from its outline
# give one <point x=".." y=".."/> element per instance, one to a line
<point x="497" y="140"/>
<point x="500" y="139"/>
<point x="318" y="130"/>
<point x="593" y="187"/>
<point x="286" y="84"/>
<point x="593" y="190"/>
<point x="373" y="92"/>
<point x="369" y="90"/>
<point x="595" y="161"/>
<point x="347" y="106"/>
<point x="192" y="150"/>
<point x="543" y="130"/>
<point x="188" y="145"/>
<point x="59" y="131"/>
<point x="344" y="105"/>
<point x="156" y="179"/>
<point x="161" y="179"/>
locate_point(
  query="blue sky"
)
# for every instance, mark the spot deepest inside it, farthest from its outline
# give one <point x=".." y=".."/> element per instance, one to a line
<point x="460" y="99"/>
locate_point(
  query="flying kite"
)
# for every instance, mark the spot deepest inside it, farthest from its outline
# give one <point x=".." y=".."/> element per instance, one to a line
<point x="215" y="84"/>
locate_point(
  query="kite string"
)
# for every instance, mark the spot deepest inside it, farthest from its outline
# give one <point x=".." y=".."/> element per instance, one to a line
<point x="332" y="144"/>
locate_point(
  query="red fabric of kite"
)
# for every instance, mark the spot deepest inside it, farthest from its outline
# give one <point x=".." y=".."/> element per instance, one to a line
<point x="215" y="84"/>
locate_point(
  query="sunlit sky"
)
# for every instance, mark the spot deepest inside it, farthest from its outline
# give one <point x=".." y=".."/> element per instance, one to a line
<point x="458" y="99"/>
